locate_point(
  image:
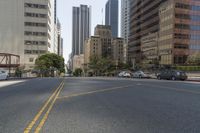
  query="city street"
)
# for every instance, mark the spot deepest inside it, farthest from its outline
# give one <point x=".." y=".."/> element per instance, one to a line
<point x="99" y="105"/>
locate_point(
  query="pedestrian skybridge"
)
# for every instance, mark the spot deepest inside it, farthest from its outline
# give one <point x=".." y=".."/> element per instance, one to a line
<point x="9" y="60"/>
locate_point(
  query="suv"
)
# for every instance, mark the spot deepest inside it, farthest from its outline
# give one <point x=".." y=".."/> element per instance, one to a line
<point x="172" y="74"/>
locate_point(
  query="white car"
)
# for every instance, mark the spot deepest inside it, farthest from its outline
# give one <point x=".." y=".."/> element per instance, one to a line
<point x="124" y="74"/>
<point x="3" y="75"/>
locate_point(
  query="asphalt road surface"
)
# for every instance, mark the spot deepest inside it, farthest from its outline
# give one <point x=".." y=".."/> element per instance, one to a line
<point x="100" y="105"/>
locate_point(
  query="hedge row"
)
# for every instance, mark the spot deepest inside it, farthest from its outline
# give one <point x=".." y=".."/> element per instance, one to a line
<point x="188" y="68"/>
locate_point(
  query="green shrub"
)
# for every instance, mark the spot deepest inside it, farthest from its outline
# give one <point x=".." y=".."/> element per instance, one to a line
<point x="188" y="68"/>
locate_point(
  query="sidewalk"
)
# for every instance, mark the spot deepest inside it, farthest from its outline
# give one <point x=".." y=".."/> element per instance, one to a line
<point x="192" y="76"/>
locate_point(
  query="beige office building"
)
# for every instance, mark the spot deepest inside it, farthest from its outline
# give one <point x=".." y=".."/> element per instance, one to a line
<point x="92" y="48"/>
<point x="118" y="50"/>
<point x="103" y="45"/>
<point x="149" y="47"/>
<point x="105" y="34"/>
<point x="166" y="24"/>
<point x="27" y="29"/>
<point x="78" y="62"/>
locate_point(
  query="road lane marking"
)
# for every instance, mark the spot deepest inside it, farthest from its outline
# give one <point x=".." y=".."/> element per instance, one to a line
<point x="92" y="92"/>
<point x="43" y="120"/>
<point x="32" y="123"/>
<point x="173" y="88"/>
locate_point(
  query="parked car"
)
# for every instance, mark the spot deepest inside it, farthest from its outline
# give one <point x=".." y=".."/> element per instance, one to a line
<point x="3" y="75"/>
<point x="140" y="74"/>
<point x="172" y="75"/>
<point x="124" y="74"/>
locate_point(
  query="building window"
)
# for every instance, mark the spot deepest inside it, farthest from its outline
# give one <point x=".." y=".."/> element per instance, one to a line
<point x="38" y="6"/>
<point x="194" y="47"/>
<point x="31" y="59"/>
<point x="181" y="46"/>
<point x="27" y="52"/>
<point x="186" y="6"/>
<point x="36" y="15"/>
<point x="34" y="51"/>
<point x="30" y="33"/>
<point x="27" y="42"/>
<point x="35" y="24"/>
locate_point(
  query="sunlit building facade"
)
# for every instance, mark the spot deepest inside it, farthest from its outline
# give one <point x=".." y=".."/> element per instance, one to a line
<point x="144" y="20"/>
<point x="27" y="29"/>
<point x="179" y="31"/>
<point x="125" y="7"/>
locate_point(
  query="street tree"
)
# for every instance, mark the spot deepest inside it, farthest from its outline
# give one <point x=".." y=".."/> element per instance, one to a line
<point x="49" y="62"/>
<point x="100" y="65"/>
<point x="194" y="59"/>
<point x="78" y="72"/>
<point x="94" y="64"/>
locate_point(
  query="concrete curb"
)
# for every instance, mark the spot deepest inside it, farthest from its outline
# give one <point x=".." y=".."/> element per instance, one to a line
<point x="191" y="80"/>
<point x="10" y="79"/>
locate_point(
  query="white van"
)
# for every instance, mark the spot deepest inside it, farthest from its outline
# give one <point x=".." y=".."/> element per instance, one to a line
<point x="3" y="75"/>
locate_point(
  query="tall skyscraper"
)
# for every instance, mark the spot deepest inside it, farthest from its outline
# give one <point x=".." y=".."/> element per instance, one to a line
<point x="111" y="16"/>
<point x="55" y="11"/>
<point x="81" y="29"/>
<point x="27" y="29"/>
<point x="144" y="20"/>
<point x="75" y="31"/>
<point x="59" y="39"/>
<point x="125" y="19"/>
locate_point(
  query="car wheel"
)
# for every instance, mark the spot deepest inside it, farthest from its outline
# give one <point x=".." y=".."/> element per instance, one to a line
<point x="140" y="76"/>
<point x="173" y="78"/>
<point x="158" y="77"/>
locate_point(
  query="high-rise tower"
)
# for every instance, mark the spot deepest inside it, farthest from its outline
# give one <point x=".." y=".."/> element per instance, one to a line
<point x="144" y="20"/>
<point x="81" y="29"/>
<point x="111" y="16"/>
<point x="125" y="19"/>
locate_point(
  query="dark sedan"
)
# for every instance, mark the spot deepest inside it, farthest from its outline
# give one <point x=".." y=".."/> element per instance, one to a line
<point x="172" y="75"/>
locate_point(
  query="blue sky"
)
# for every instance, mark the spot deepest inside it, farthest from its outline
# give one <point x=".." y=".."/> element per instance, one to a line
<point x="65" y="17"/>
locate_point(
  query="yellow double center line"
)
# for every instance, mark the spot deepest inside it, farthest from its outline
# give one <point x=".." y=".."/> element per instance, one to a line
<point x="48" y="107"/>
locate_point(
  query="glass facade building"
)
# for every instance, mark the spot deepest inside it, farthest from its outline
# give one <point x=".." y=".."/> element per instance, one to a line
<point x="179" y="31"/>
<point x="176" y="21"/>
<point x="111" y="16"/>
<point x="81" y="28"/>
<point x="144" y="20"/>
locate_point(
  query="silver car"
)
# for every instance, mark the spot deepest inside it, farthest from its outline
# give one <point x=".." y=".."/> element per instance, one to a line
<point x="140" y="74"/>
